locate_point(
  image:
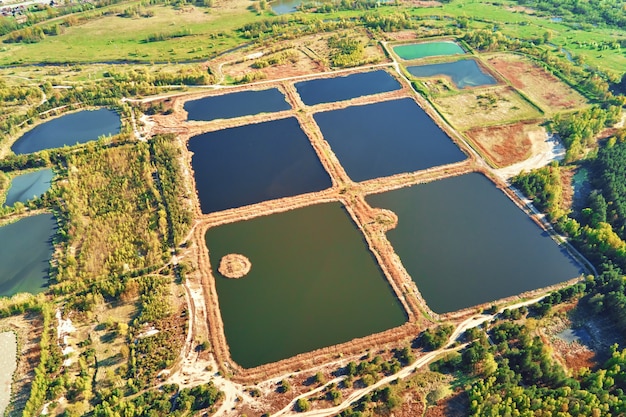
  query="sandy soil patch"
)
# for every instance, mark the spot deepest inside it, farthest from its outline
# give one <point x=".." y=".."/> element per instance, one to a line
<point x="234" y="265"/>
<point x="520" y="9"/>
<point x="546" y="90"/>
<point x="421" y="3"/>
<point x="8" y="364"/>
<point x="485" y="107"/>
<point x="508" y="144"/>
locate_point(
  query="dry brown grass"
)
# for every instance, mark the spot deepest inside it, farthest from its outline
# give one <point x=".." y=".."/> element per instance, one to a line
<point x="485" y="107"/>
<point x="507" y="144"/>
<point x="546" y="90"/>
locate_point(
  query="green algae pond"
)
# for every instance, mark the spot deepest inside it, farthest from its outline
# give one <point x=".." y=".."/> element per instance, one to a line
<point x="465" y="243"/>
<point x="27" y="186"/>
<point x="427" y="49"/>
<point x="25" y="252"/>
<point x="313" y="283"/>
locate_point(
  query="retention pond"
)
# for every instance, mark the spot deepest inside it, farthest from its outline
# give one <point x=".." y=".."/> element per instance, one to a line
<point x="465" y="243"/>
<point x="28" y="186"/>
<point x="70" y="129"/>
<point x="254" y="163"/>
<point x="386" y="138"/>
<point x="313" y="283"/>
<point x="427" y="49"/>
<point x="326" y="90"/>
<point x="243" y="103"/>
<point x="25" y="252"/>
<point x="463" y="73"/>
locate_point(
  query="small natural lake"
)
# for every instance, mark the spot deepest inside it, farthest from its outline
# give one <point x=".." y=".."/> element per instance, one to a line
<point x="386" y="138"/>
<point x="285" y="6"/>
<point x="427" y="49"/>
<point x="313" y="283"/>
<point x="327" y="90"/>
<point x="8" y="364"/>
<point x="465" y="243"/>
<point x="253" y="163"/>
<point x="28" y="186"/>
<point x="463" y="73"/>
<point x="243" y="103"/>
<point x="69" y="129"/>
<point x="25" y="252"/>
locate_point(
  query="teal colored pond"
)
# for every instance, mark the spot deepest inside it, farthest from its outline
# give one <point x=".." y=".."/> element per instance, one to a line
<point x="28" y="186"/>
<point x="243" y="103"/>
<point x="313" y="283"/>
<point x="465" y="243"/>
<point x="427" y="49"/>
<point x="327" y="90"/>
<point x="70" y="129"/>
<point x="386" y="138"/>
<point x="25" y="252"/>
<point x="463" y="73"/>
<point x="285" y="6"/>
<point x="253" y="163"/>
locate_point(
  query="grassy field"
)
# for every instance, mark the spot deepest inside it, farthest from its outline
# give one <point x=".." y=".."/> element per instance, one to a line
<point x="543" y="88"/>
<point x="212" y="30"/>
<point x="485" y="107"/>
<point x="115" y="38"/>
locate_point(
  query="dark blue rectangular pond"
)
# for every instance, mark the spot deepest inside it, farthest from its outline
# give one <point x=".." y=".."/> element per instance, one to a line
<point x="386" y="138"/>
<point x="313" y="283"/>
<point x="254" y="163"/>
<point x="70" y="129"/>
<point x="328" y="90"/>
<point x="465" y="243"/>
<point x="25" y="252"/>
<point x="243" y="103"/>
<point x="28" y="186"/>
<point x="463" y="73"/>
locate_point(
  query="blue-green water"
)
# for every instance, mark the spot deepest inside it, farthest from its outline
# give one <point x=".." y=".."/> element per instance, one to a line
<point x="313" y="283"/>
<point x="70" y="129"/>
<point x="254" y="163"/>
<point x="464" y="73"/>
<point x="465" y="243"/>
<point x="326" y="90"/>
<point x="25" y="252"/>
<point x="28" y="186"/>
<point x="427" y="49"/>
<point x="386" y="138"/>
<point x="243" y="103"/>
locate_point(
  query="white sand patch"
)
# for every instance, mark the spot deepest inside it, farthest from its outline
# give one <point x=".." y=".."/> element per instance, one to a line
<point x="8" y="364"/>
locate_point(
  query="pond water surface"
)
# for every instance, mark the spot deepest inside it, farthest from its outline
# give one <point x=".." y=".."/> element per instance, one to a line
<point x="464" y="73"/>
<point x="465" y="243"/>
<point x="8" y="364"/>
<point x="326" y="90"/>
<point x="253" y="163"/>
<point x="28" y="186"/>
<point x="70" y="129"/>
<point x="313" y="283"/>
<point x="386" y="138"/>
<point x="427" y="49"/>
<point x="243" y="103"/>
<point x="285" y="6"/>
<point x="25" y="252"/>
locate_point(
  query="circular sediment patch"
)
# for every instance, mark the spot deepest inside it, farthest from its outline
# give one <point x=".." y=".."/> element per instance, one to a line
<point x="234" y="266"/>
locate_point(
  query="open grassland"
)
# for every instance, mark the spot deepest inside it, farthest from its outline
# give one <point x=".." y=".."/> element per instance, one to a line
<point x="199" y="33"/>
<point x="507" y="144"/>
<point x="546" y="90"/>
<point x="189" y="33"/>
<point x="485" y="107"/>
